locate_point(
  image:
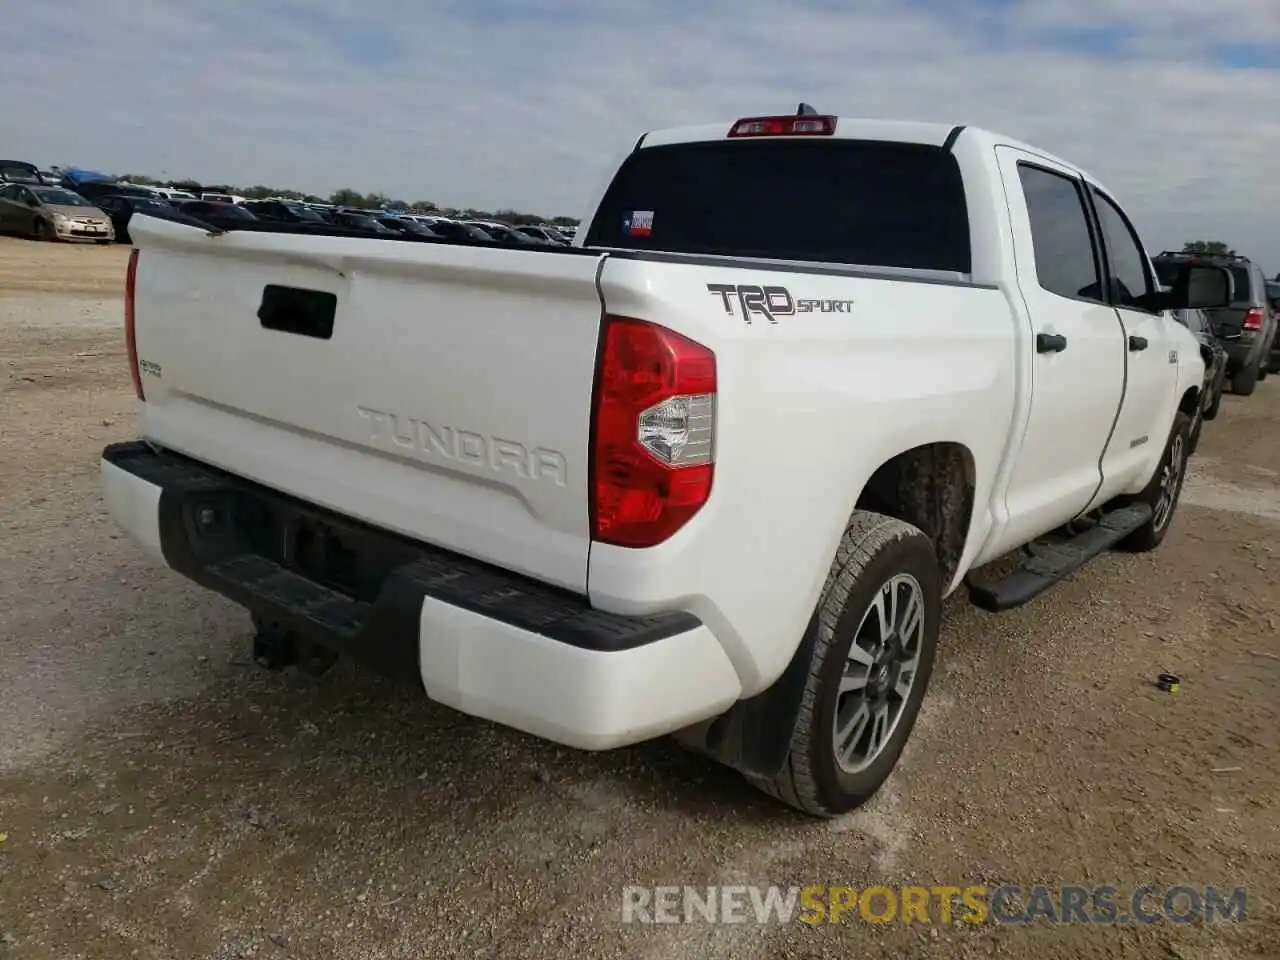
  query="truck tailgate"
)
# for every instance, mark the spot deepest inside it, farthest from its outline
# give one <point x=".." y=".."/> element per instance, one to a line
<point x="450" y="401"/>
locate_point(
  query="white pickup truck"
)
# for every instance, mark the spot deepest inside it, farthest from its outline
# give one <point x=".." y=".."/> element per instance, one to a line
<point x="710" y="472"/>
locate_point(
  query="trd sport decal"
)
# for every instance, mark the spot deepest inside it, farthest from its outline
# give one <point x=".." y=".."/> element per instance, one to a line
<point x="771" y="302"/>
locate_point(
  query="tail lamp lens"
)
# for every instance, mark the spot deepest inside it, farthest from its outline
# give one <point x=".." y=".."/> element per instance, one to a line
<point x="653" y="451"/>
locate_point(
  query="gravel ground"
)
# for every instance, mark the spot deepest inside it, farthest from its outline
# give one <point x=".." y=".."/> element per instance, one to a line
<point x="163" y="798"/>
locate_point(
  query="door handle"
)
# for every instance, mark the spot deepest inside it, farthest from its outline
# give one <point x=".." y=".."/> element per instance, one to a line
<point x="1050" y="343"/>
<point x="1137" y="343"/>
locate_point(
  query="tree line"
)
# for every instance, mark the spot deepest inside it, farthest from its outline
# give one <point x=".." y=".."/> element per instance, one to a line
<point x="347" y="197"/>
<point x="1215" y="248"/>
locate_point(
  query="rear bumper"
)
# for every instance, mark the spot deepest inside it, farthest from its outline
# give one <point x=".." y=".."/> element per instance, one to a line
<point x="485" y="641"/>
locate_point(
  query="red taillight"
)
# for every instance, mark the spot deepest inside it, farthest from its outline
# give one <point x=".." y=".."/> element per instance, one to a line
<point x="131" y="346"/>
<point x="1253" y="319"/>
<point x="652" y="451"/>
<point x="799" y="126"/>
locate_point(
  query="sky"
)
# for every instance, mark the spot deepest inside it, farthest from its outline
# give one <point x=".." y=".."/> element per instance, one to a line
<point x="527" y="104"/>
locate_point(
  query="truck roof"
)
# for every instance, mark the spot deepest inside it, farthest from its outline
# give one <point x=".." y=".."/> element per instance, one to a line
<point x="862" y="128"/>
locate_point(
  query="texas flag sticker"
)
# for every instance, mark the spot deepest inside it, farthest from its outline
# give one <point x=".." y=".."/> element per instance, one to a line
<point x="638" y="223"/>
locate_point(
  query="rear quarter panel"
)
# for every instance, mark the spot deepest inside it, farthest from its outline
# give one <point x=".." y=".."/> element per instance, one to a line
<point x="808" y="408"/>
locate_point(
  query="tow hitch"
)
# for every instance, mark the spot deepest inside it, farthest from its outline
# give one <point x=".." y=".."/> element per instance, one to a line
<point x="275" y="647"/>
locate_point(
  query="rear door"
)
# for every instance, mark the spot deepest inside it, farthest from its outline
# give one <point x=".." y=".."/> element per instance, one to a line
<point x="442" y="392"/>
<point x="1151" y="353"/>
<point x="1078" y="364"/>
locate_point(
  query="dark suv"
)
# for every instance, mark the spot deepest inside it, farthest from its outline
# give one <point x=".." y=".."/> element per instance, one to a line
<point x="1247" y="328"/>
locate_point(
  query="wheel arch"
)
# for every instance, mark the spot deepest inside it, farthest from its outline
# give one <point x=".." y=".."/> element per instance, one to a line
<point x="1190" y="401"/>
<point x="930" y="486"/>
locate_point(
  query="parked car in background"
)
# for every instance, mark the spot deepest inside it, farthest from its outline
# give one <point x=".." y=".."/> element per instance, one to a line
<point x="1246" y="328"/>
<point x="548" y="234"/>
<point x="93" y="189"/>
<point x="174" y="196"/>
<point x="354" y="220"/>
<point x="279" y="211"/>
<point x="1214" y="355"/>
<point x="121" y="208"/>
<point x="510" y="236"/>
<point x="212" y="212"/>
<point x="409" y="228"/>
<point x="1273" y="299"/>
<point x="19" y="171"/>
<point x="51" y="213"/>
<point x="466" y="232"/>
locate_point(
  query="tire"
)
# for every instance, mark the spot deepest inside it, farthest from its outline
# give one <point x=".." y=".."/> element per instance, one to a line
<point x="1164" y="490"/>
<point x="41" y="231"/>
<point x="879" y="558"/>
<point x="1197" y="425"/>
<point x="1243" y="383"/>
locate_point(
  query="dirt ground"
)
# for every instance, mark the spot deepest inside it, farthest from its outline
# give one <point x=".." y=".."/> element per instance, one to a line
<point x="161" y="797"/>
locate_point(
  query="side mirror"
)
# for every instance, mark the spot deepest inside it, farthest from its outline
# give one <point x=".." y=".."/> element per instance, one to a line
<point x="1196" y="287"/>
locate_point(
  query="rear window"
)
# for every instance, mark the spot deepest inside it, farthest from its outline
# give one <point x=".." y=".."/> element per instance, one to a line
<point x="831" y="201"/>
<point x="1244" y="289"/>
<point x="1167" y="269"/>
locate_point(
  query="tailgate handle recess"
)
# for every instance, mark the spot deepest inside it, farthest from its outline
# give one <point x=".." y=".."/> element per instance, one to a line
<point x="308" y="313"/>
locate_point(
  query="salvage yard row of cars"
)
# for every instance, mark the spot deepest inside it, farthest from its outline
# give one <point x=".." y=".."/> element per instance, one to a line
<point x="45" y="206"/>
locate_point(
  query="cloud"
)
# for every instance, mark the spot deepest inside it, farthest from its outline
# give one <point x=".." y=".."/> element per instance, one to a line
<point x="526" y="103"/>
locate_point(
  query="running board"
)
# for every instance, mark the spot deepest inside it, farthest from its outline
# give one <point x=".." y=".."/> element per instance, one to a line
<point x="1054" y="561"/>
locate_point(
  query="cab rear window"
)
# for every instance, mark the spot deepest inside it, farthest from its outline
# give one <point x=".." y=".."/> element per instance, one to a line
<point x="860" y="202"/>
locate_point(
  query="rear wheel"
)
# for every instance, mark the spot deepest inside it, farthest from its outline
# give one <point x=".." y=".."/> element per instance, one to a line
<point x="1164" y="490"/>
<point x="877" y="624"/>
<point x="1243" y="383"/>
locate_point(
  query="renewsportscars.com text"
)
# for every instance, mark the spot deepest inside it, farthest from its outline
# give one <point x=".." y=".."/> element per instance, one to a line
<point x="941" y="903"/>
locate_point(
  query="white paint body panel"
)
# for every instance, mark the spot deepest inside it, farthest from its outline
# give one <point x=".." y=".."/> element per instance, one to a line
<point x="502" y="344"/>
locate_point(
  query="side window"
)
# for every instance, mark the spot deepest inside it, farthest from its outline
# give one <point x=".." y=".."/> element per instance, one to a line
<point x="1130" y="277"/>
<point x="1066" y="263"/>
<point x="9" y="193"/>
